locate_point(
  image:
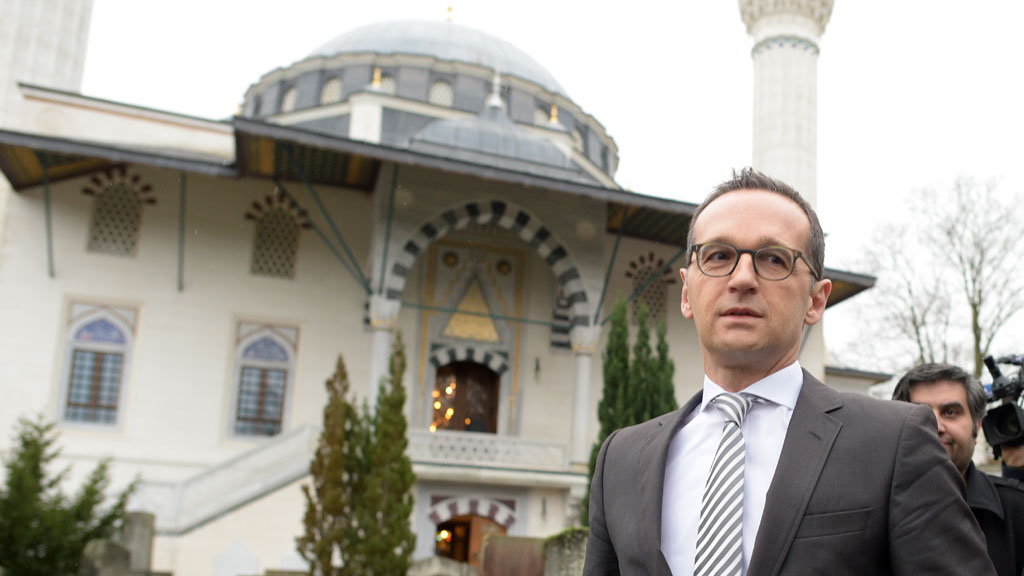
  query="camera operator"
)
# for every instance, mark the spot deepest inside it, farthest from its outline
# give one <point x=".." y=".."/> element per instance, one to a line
<point x="1013" y="462"/>
<point x="958" y="400"/>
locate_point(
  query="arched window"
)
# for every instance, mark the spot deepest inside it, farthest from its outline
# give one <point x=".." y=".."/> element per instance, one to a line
<point x="276" y="245"/>
<point x="387" y="84"/>
<point x="265" y="359"/>
<point x="276" y="242"/>
<point x="288" y="100"/>
<point x="99" y="342"/>
<point x="331" y="92"/>
<point x="646" y="273"/>
<point x="577" y="140"/>
<point x="441" y="94"/>
<point x="118" y="196"/>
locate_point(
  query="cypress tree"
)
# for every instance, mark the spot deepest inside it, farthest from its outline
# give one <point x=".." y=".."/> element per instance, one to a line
<point x="634" y="390"/>
<point x="42" y="531"/>
<point x="388" y="499"/>
<point x="331" y="522"/>
<point x="612" y="408"/>
<point x="642" y="373"/>
<point x="664" y="390"/>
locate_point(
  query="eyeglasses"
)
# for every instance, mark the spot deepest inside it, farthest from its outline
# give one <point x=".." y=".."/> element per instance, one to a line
<point x="770" y="262"/>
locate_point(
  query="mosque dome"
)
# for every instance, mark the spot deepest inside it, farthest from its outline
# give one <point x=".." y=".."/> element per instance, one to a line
<point x="427" y="86"/>
<point x="445" y="41"/>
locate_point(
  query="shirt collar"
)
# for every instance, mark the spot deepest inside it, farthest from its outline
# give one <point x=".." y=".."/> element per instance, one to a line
<point x="781" y="387"/>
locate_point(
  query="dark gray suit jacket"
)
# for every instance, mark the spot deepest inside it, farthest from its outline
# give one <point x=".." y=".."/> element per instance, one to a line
<point x="863" y="487"/>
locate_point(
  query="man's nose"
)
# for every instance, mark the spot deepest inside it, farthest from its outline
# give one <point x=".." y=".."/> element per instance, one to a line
<point x="745" y="272"/>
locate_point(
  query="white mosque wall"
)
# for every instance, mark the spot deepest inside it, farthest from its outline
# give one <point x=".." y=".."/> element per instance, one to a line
<point x="176" y="405"/>
<point x="65" y="115"/>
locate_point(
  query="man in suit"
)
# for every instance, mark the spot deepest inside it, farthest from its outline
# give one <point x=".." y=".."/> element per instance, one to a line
<point x="830" y="483"/>
<point x="958" y="401"/>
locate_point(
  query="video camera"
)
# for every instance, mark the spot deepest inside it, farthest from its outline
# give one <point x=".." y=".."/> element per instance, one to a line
<point x="1004" y="424"/>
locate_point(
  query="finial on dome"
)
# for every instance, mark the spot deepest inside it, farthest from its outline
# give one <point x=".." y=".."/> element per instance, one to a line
<point x="449" y="13"/>
<point x="554" y="114"/>
<point x="494" y="100"/>
<point x="376" y="77"/>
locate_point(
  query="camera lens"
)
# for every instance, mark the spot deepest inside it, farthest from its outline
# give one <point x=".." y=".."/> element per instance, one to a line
<point x="1009" y="425"/>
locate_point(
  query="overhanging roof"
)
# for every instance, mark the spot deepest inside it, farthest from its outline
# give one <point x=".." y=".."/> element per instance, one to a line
<point x="23" y="158"/>
<point x="273" y="151"/>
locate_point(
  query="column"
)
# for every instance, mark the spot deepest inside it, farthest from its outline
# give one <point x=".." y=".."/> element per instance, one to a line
<point x="383" y="320"/>
<point x="584" y="342"/>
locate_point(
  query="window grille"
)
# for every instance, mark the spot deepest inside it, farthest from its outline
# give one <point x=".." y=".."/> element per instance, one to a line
<point x="117" y="212"/>
<point x="388" y="85"/>
<point x="541" y="116"/>
<point x="94" y="387"/>
<point x="260" y="401"/>
<point x="276" y="245"/>
<point x="441" y="94"/>
<point x="331" y="92"/>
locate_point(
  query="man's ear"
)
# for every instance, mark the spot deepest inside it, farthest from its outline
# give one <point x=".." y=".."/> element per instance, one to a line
<point x="684" y="304"/>
<point x="819" y="297"/>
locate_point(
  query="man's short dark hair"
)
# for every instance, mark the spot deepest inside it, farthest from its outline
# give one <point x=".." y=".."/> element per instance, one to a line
<point x="750" y="179"/>
<point x="934" y="372"/>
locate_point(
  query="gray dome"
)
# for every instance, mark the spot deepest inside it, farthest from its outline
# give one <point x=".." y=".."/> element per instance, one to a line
<point x="489" y="135"/>
<point x="445" y="41"/>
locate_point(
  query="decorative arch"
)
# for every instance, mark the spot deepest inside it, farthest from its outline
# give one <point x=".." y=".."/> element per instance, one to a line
<point x="445" y="510"/>
<point x="509" y="217"/>
<point x="496" y="360"/>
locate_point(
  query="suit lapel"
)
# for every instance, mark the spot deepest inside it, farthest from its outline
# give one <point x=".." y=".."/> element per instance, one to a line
<point x="810" y="436"/>
<point x="655" y="451"/>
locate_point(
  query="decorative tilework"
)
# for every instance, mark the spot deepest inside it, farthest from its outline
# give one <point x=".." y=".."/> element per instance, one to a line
<point x="265" y="349"/>
<point x="100" y="330"/>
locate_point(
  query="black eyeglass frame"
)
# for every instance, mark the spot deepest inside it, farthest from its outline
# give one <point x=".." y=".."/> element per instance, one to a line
<point x="753" y="258"/>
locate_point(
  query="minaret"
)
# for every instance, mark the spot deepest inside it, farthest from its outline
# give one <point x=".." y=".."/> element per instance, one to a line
<point x="786" y="39"/>
<point x="41" y="42"/>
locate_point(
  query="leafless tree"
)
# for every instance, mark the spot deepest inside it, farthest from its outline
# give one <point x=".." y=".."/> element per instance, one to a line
<point x="946" y="276"/>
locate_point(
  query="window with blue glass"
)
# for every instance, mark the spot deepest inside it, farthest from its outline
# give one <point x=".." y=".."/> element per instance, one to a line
<point x="262" y="387"/>
<point x="96" y="372"/>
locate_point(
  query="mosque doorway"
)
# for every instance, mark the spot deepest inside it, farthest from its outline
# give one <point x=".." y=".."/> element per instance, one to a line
<point x="461" y="537"/>
<point x="465" y="398"/>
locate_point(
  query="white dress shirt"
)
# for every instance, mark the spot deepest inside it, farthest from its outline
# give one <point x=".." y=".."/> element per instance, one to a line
<point x="693" y="448"/>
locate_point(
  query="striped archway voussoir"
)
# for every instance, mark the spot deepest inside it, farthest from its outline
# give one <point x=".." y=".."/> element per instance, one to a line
<point x="504" y="215"/>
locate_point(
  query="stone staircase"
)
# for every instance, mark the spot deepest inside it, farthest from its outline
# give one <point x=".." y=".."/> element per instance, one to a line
<point x="183" y="506"/>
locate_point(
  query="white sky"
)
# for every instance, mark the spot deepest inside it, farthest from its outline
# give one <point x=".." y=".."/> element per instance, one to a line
<point x="911" y="93"/>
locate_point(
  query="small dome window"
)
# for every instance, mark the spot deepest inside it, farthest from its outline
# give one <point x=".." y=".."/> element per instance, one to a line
<point x="540" y="116"/>
<point x="387" y="84"/>
<point x="331" y="92"/>
<point x="288" y="100"/>
<point x="441" y="94"/>
<point x="577" y="139"/>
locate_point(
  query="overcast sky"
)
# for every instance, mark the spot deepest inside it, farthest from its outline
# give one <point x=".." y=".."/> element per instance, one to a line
<point x="911" y="93"/>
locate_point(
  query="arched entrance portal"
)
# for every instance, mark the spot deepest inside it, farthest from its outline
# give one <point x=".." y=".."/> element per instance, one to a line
<point x="465" y="397"/>
<point x="463" y="522"/>
<point x="462" y="537"/>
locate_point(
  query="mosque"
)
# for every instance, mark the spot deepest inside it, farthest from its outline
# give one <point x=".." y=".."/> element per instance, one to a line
<point x="175" y="290"/>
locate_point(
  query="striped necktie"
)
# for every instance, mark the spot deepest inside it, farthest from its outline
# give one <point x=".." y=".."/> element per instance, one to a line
<point x="720" y="533"/>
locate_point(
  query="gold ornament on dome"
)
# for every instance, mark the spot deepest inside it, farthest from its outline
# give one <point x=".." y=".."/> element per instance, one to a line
<point x="450" y="259"/>
<point x="504" y="267"/>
